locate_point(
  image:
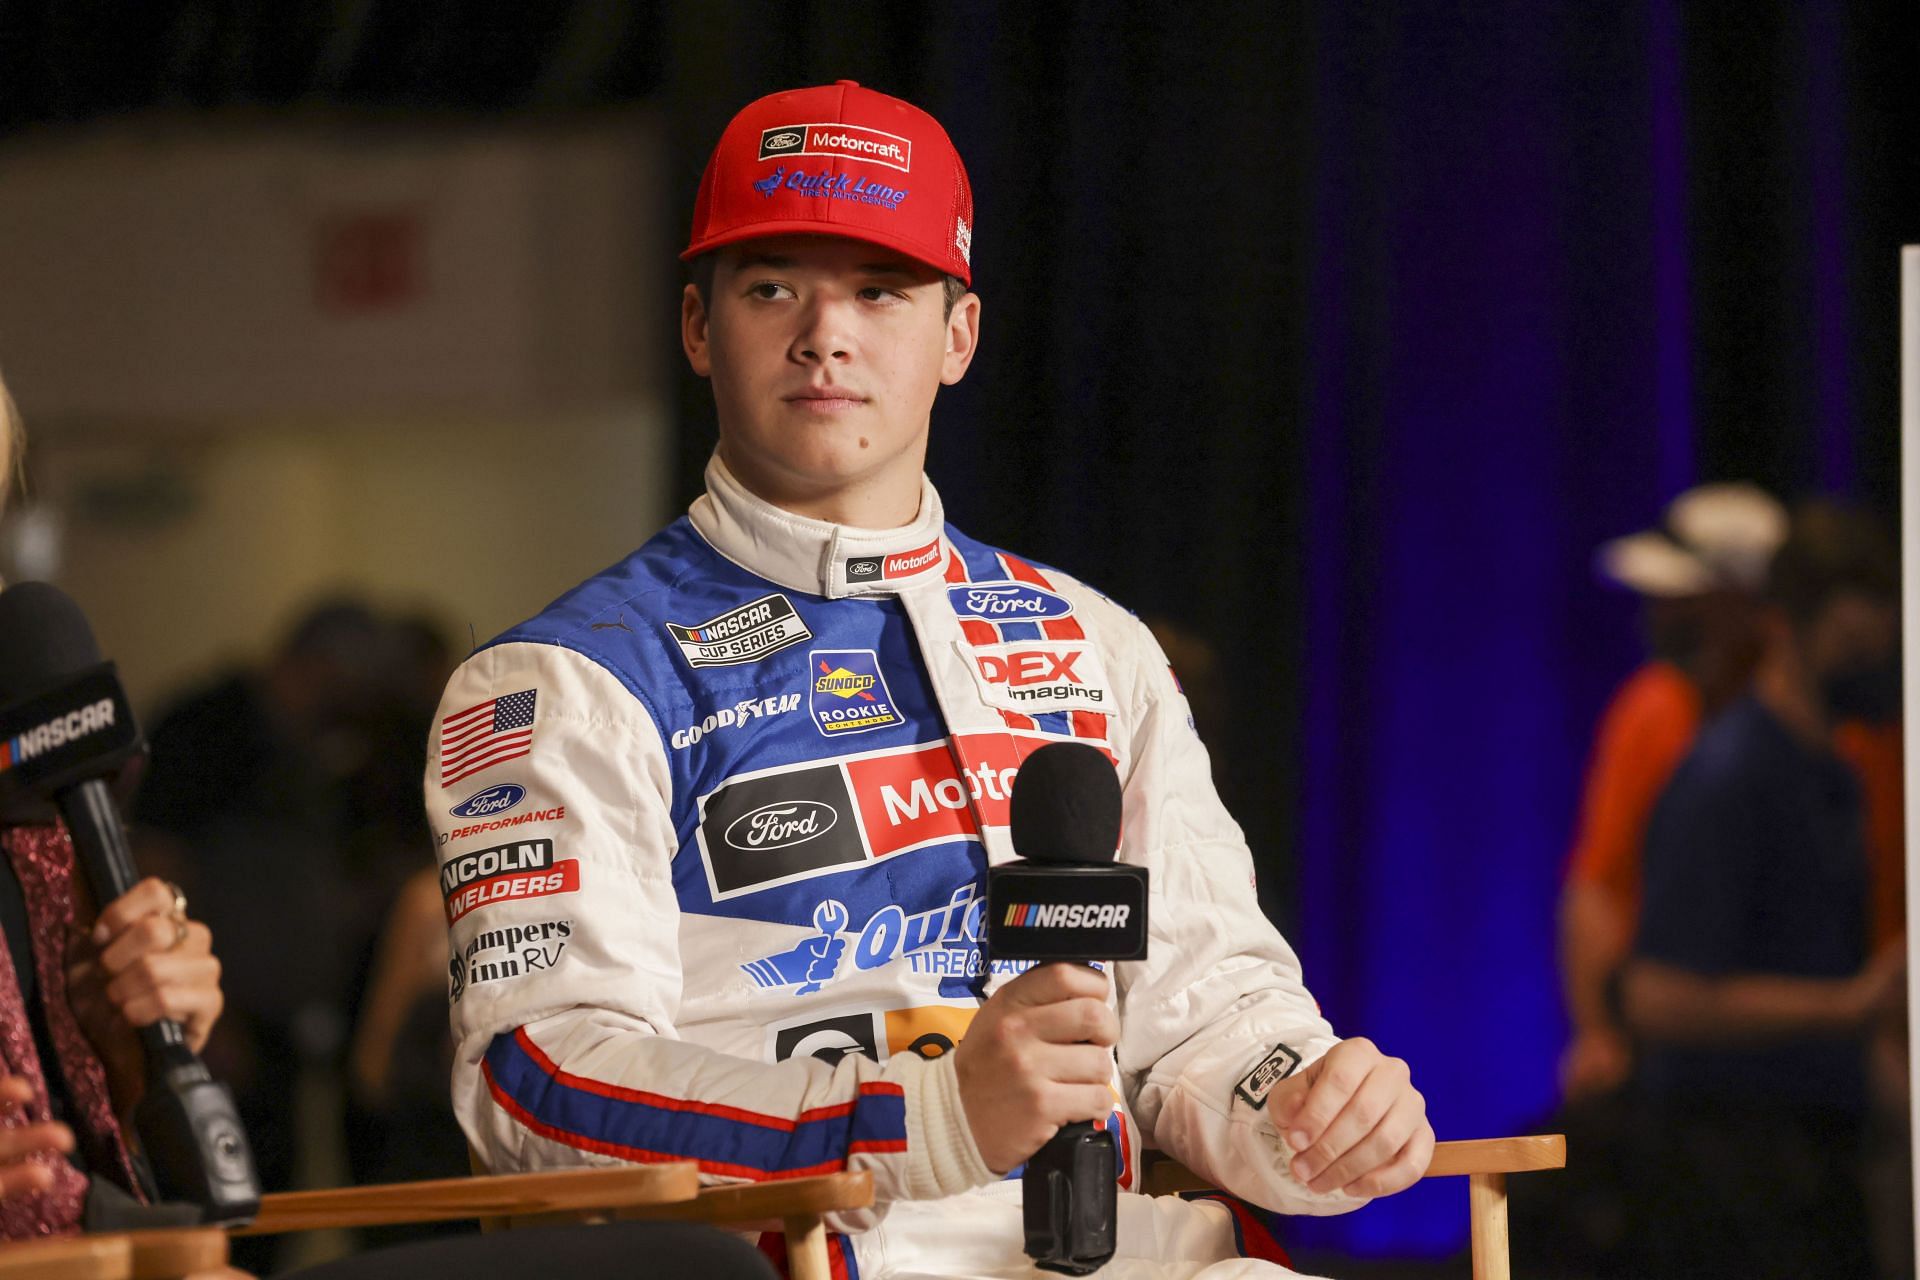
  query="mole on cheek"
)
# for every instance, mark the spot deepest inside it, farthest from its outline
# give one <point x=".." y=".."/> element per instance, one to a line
<point x="863" y="442"/>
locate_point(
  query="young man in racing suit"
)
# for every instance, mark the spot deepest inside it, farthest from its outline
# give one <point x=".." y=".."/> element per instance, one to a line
<point x="713" y="826"/>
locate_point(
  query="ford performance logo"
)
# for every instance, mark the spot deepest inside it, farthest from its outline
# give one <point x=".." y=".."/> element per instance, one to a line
<point x="493" y="800"/>
<point x="781" y="826"/>
<point x="1007" y="601"/>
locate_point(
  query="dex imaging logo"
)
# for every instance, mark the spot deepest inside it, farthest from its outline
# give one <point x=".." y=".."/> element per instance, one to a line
<point x="848" y="694"/>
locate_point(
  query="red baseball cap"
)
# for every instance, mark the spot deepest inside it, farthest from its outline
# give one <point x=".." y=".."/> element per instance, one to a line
<point x="838" y="160"/>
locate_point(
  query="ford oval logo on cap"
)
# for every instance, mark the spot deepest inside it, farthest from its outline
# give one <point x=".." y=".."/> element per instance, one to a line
<point x="482" y="804"/>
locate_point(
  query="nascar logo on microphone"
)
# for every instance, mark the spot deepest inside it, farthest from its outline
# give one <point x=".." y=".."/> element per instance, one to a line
<point x="1067" y="915"/>
<point x="57" y="732"/>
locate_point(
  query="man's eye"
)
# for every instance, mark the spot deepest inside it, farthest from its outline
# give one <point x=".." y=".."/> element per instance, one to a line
<point x="768" y="290"/>
<point x="875" y="293"/>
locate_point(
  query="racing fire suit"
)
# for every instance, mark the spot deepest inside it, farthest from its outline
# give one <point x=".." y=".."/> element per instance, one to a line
<point x="713" y="830"/>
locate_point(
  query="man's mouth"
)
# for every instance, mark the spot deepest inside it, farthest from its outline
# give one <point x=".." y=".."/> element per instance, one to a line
<point x="826" y="399"/>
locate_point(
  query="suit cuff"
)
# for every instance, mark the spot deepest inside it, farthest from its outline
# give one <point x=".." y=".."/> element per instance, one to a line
<point x="942" y="1158"/>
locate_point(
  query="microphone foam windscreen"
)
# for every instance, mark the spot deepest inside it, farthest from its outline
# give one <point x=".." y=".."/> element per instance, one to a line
<point x="44" y="638"/>
<point x="1066" y="805"/>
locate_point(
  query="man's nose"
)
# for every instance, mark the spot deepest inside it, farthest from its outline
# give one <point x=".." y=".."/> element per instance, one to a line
<point x="827" y="335"/>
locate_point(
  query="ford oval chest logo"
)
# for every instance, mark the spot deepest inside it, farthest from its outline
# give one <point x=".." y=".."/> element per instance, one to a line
<point x="781" y="825"/>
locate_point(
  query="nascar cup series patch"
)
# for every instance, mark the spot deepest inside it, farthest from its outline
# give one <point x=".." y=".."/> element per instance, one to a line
<point x="847" y="692"/>
<point x="746" y="634"/>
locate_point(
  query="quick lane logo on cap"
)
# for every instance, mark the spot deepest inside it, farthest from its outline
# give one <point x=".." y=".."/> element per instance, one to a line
<point x="746" y="634"/>
<point x="851" y="140"/>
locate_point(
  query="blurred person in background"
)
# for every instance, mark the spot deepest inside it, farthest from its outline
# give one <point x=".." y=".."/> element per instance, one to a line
<point x="1698" y="578"/>
<point x="74" y="987"/>
<point x="250" y="805"/>
<point x="1755" y="986"/>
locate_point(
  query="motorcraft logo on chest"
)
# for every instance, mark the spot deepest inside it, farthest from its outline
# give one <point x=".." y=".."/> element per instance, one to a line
<point x="495" y="955"/>
<point x="505" y="873"/>
<point x="1037" y="675"/>
<point x="904" y="564"/>
<point x="746" y="634"/>
<point x="1007" y="602"/>
<point x="848" y="692"/>
<point x="850" y="140"/>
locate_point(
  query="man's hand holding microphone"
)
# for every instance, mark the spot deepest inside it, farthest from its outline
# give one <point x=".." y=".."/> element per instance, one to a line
<point x="1036" y="1064"/>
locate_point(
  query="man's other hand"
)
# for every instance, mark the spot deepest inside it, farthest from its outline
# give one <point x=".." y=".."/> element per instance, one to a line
<point x="1038" y="1055"/>
<point x="1355" y="1122"/>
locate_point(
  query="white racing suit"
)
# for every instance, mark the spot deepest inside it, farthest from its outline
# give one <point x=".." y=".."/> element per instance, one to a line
<point x="713" y="830"/>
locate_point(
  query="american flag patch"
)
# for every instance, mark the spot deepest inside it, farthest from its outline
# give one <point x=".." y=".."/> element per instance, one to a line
<point x="488" y="733"/>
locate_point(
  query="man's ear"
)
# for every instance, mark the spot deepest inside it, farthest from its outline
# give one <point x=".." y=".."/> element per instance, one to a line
<point x="963" y="338"/>
<point x="693" y="331"/>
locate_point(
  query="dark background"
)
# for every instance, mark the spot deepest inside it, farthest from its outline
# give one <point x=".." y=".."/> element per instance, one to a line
<point x="1339" y="333"/>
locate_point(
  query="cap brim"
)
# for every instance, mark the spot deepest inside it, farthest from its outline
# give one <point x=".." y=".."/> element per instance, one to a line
<point x="842" y="231"/>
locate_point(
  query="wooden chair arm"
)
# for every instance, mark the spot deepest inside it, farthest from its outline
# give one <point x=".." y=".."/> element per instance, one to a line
<point x="128" y="1255"/>
<point x="765" y="1201"/>
<point x="1498" y="1155"/>
<point x="68" y="1258"/>
<point x="442" y="1199"/>
<point x="1471" y="1156"/>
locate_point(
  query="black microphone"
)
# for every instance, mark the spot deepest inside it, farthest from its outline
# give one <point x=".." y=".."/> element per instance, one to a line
<point x="65" y="729"/>
<point x="1067" y="900"/>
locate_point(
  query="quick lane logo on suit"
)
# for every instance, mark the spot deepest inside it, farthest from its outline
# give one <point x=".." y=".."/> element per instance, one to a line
<point x="1034" y="676"/>
<point x="505" y="873"/>
<point x="1007" y="602"/>
<point x="886" y="568"/>
<point x="887" y="935"/>
<point x="849" y="693"/>
<point x="746" y="634"/>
